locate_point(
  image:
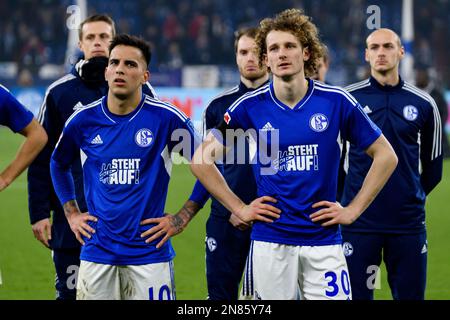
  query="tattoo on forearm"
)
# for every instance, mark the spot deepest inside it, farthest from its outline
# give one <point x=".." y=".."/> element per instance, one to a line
<point x="182" y="218"/>
<point x="70" y="207"/>
<point x="190" y="213"/>
<point x="177" y="222"/>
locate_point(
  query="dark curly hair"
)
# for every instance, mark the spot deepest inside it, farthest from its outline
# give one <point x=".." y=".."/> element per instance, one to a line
<point x="300" y="25"/>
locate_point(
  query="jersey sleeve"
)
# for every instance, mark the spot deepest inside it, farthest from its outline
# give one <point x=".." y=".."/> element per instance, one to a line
<point x="235" y="117"/>
<point x="184" y="138"/>
<point x="13" y="114"/>
<point x="62" y="158"/>
<point x="358" y="128"/>
<point x="210" y="119"/>
<point x="431" y="148"/>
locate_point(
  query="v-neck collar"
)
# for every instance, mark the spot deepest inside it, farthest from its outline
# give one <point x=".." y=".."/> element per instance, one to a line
<point x="121" y="118"/>
<point x="299" y="104"/>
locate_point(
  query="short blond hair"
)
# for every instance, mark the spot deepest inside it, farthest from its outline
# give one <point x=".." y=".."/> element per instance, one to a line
<point x="300" y="25"/>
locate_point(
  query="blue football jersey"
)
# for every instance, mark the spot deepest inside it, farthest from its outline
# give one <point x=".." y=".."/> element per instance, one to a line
<point x="12" y="113"/>
<point x="303" y="168"/>
<point x="126" y="166"/>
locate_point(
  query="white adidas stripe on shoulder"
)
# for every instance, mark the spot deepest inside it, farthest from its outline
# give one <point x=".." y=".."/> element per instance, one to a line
<point x="58" y="82"/>
<point x="248" y="95"/>
<point x="357" y="85"/>
<point x="437" y="134"/>
<point x="223" y="94"/>
<point x="335" y="89"/>
<point x="422" y="94"/>
<point x="5" y="88"/>
<point x="226" y="93"/>
<point x="93" y="102"/>
<point x="341" y="90"/>
<point x="158" y="103"/>
<point x="89" y="106"/>
<point x="152" y="90"/>
<point x="204" y="122"/>
<point x="418" y="92"/>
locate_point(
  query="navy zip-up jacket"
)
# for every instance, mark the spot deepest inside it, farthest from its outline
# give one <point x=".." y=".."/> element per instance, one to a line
<point x="62" y="98"/>
<point x="409" y="119"/>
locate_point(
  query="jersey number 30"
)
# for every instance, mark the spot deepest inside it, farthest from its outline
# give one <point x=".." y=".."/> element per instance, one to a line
<point x="333" y="284"/>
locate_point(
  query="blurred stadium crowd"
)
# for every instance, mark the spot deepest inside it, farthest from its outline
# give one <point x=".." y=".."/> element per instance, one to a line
<point x="183" y="32"/>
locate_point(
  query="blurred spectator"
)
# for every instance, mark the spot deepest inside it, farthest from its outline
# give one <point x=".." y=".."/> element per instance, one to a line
<point x="25" y="78"/>
<point x="202" y="29"/>
<point x="8" y="42"/>
<point x="424" y="82"/>
<point x="32" y="54"/>
<point x="174" y="59"/>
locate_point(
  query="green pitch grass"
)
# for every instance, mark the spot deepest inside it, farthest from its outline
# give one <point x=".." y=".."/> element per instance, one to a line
<point x="27" y="270"/>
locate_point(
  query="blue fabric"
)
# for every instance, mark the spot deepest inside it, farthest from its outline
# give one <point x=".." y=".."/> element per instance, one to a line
<point x="63" y="97"/>
<point x="405" y="257"/>
<point x="234" y="173"/>
<point x="199" y="194"/>
<point x="302" y="168"/>
<point x="226" y="253"/>
<point x="12" y="113"/>
<point x="67" y="263"/>
<point x="127" y="172"/>
<point x="410" y="121"/>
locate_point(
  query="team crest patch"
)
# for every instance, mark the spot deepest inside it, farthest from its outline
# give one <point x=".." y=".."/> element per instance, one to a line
<point x="410" y="113"/>
<point x="143" y="137"/>
<point x="348" y="249"/>
<point x="211" y="243"/>
<point x="318" y="122"/>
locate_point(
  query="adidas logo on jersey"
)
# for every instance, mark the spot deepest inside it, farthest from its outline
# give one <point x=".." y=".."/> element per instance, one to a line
<point x="97" y="140"/>
<point x="424" y="249"/>
<point x="78" y="106"/>
<point x="267" y="127"/>
<point x="367" y="110"/>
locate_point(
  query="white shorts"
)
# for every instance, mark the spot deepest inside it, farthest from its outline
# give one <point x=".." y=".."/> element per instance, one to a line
<point x="143" y="282"/>
<point x="285" y="272"/>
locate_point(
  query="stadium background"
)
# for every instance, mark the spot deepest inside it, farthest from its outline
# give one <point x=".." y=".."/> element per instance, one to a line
<point x="193" y="60"/>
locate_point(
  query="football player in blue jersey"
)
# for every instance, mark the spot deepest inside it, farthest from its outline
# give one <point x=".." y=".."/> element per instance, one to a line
<point x="83" y="85"/>
<point x="126" y="139"/>
<point x="393" y="228"/>
<point x="296" y="249"/>
<point x="16" y="117"/>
